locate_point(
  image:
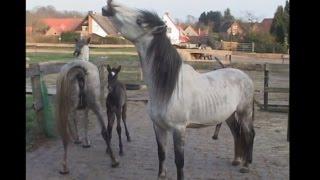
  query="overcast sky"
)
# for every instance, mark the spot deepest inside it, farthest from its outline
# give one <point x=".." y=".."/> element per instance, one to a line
<point x="177" y="8"/>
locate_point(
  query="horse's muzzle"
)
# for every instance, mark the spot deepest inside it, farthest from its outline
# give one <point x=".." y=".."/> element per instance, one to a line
<point x="76" y="53"/>
<point x="108" y="10"/>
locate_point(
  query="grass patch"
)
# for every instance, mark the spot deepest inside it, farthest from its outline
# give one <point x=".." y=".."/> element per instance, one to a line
<point x="45" y="57"/>
<point x="93" y="49"/>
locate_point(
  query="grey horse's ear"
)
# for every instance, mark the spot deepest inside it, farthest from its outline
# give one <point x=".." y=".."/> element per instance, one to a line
<point x="119" y="68"/>
<point x="108" y="68"/>
<point x="88" y="40"/>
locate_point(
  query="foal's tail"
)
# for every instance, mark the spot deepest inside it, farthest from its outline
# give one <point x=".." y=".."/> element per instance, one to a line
<point x="63" y="98"/>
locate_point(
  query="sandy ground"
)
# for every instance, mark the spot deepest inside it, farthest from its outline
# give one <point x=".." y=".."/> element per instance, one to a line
<point x="204" y="158"/>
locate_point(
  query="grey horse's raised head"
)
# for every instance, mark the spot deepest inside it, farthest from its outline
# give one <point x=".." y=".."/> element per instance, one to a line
<point x="132" y="23"/>
<point x="80" y="43"/>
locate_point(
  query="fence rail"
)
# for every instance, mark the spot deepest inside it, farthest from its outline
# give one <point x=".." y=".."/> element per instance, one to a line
<point x="72" y="45"/>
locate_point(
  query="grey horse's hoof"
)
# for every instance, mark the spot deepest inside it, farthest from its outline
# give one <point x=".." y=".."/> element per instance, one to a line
<point x="214" y="137"/>
<point x="115" y="164"/>
<point x="235" y="162"/>
<point x="86" y="145"/>
<point x="163" y="174"/>
<point x="129" y="139"/>
<point x="244" y="170"/>
<point x="77" y="142"/>
<point x="64" y="172"/>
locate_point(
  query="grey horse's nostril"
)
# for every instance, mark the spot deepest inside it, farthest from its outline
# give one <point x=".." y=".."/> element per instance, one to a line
<point x="108" y="11"/>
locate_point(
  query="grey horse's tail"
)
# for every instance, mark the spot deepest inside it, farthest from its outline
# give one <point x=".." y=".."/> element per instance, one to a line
<point x="63" y="98"/>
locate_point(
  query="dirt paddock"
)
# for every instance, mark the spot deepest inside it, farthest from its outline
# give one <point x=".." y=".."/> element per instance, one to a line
<point x="204" y="158"/>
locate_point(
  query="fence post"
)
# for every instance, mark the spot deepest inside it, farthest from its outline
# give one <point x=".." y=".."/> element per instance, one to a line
<point x="266" y="85"/>
<point x="252" y="46"/>
<point x="37" y="97"/>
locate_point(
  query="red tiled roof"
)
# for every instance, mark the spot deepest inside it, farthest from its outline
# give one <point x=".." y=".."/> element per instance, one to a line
<point x="265" y="25"/>
<point x="62" y="24"/>
<point x="28" y="29"/>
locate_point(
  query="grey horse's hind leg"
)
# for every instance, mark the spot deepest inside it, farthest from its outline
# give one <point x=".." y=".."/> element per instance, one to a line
<point x="96" y="108"/>
<point x="65" y="156"/>
<point x="235" y="130"/>
<point x="124" y="119"/>
<point x="86" y="124"/>
<point x="73" y="127"/>
<point x="247" y="135"/>
<point x="216" y="132"/>
<point x="247" y="138"/>
<point x="179" y="140"/>
<point x="161" y="137"/>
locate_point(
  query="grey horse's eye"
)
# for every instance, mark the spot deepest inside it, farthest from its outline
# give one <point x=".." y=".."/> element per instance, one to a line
<point x="139" y="22"/>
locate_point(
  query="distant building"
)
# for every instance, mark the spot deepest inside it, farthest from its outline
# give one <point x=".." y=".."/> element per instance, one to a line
<point x="60" y="25"/>
<point x="173" y="31"/>
<point x="232" y="27"/>
<point x="265" y="25"/>
<point x="96" y="24"/>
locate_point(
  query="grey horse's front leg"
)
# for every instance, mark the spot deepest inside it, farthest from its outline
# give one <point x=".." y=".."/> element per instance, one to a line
<point x="86" y="124"/>
<point x="216" y="132"/>
<point x="161" y="137"/>
<point x="178" y="141"/>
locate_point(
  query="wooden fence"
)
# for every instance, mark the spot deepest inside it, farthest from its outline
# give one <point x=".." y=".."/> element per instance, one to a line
<point x="36" y="71"/>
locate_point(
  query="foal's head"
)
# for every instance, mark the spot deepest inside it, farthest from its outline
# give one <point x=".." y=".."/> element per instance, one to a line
<point x="80" y="44"/>
<point x="112" y="75"/>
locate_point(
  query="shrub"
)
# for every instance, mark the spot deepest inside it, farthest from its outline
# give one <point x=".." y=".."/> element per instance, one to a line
<point x="265" y="43"/>
<point x="68" y="37"/>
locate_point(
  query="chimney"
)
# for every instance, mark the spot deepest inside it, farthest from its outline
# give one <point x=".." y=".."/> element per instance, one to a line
<point x="199" y="31"/>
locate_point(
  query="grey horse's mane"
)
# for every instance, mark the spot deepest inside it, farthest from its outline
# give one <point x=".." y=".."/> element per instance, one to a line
<point x="166" y="61"/>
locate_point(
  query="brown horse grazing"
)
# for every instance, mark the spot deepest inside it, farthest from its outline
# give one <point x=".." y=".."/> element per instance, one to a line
<point x="116" y="104"/>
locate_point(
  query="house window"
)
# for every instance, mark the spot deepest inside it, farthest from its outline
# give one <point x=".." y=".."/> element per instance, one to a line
<point x="169" y="30"/>
<point x="84" y="28"/>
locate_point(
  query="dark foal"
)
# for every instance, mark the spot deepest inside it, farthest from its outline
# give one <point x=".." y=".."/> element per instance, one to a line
<point x="116" y="104"/>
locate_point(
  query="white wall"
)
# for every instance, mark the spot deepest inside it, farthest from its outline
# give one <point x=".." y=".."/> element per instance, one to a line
<point x="174" y="34"/>
<point x="97" y="29"/>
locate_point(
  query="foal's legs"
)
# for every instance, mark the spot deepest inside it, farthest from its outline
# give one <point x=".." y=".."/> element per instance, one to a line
<point x="110" y="115"/>
<point x="124" y="117"/>
<point x="86" y="123"/>
<point x="118" y="114"/>
<point x="235" y="130"/>
<point x="216" y="132"/>
<point x="179" y="140"/>
<point x="161" y="137"/>
<point x="96" y="108"/>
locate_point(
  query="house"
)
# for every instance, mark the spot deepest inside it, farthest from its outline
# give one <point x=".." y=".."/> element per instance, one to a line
<point x="232" y="27"/>
<point x="189" y="31"/>
<point x="265" y="25"/>
<point x="28" y="30"/>
<point x="173" y="31"/>
<point x="96" y="24"/>
<point x="60" y="25"/>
